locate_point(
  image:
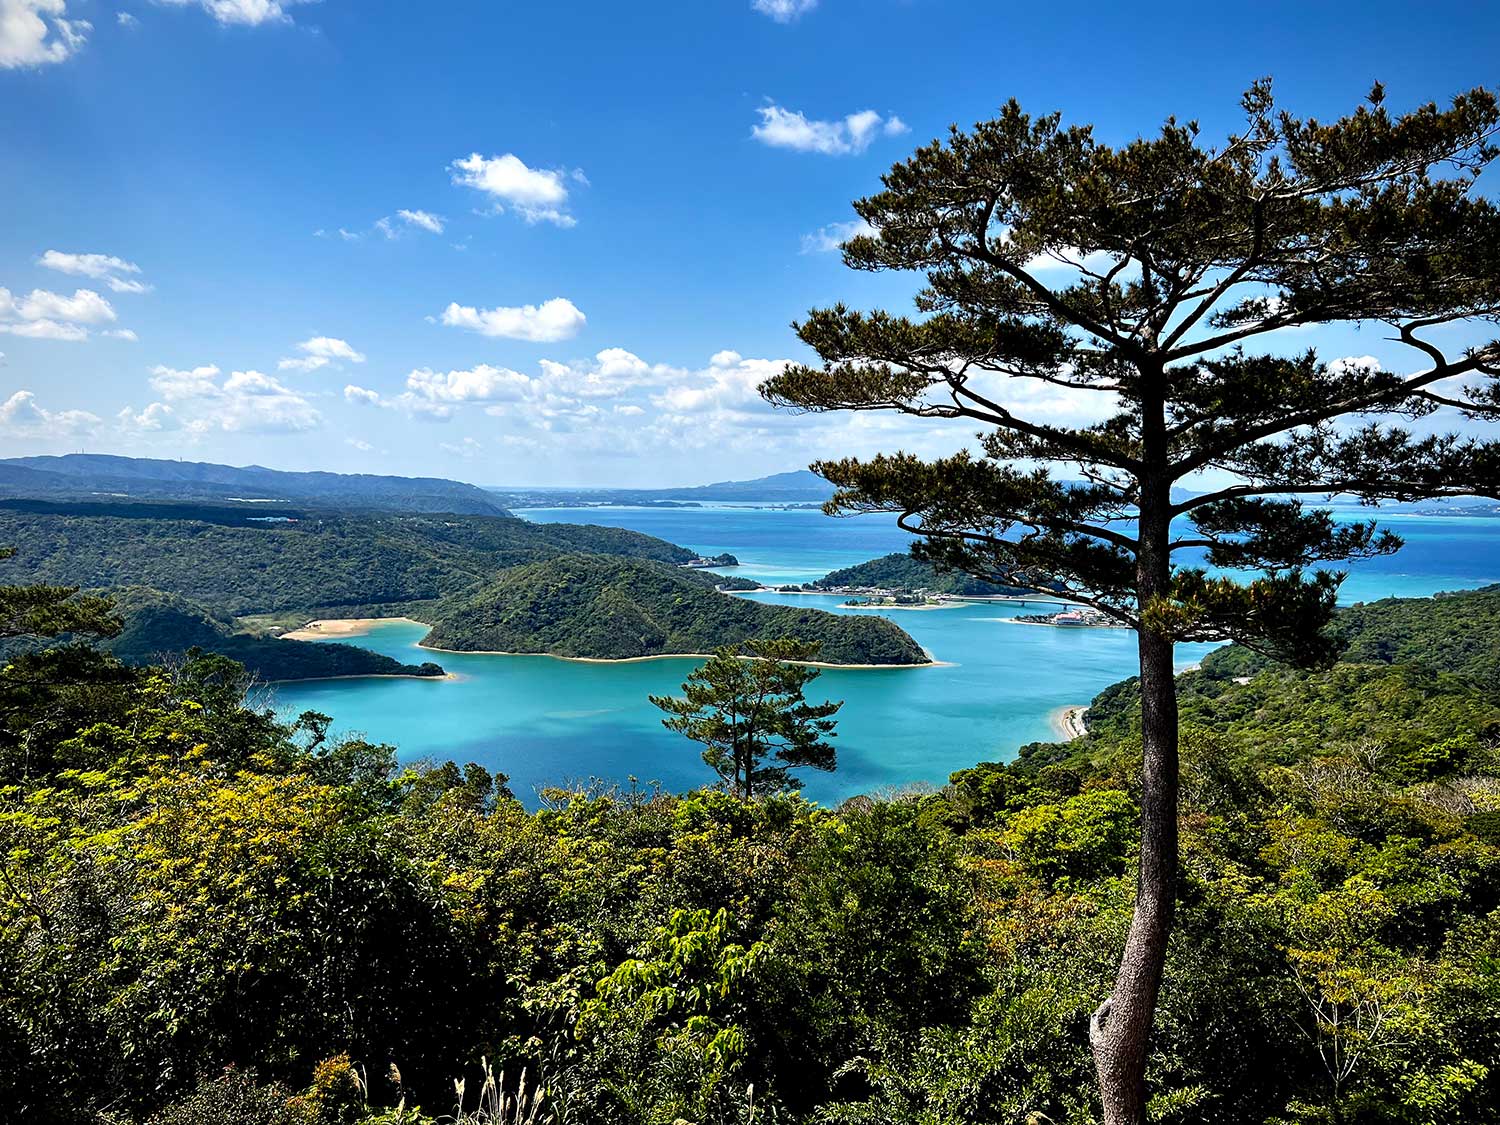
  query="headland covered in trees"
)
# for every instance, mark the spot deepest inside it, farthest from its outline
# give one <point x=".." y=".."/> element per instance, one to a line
<point x="227" y="580"/>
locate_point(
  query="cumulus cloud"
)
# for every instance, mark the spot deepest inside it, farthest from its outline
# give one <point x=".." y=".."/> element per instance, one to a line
<point x="127" y="334"/>
<point x="125" y="19"/>
<point x="46" y="330"/>
<point x="84" y="307"/>
<point x="361" y="396"/>
<point x="155" y="419"/>
<point x="245" y="13"/>
<point x="100" y="267"/>
<point x="244" y="402"/>
<point x="827" y="239"/>
<point x="45" y="315"/>
<point x="853" y="133"/>
<point x="1355" y="364"/>
<point x="557" y="319"/>
<point x="320" y="351"/>
<point x="38" y="32"/>
<point x="481" y="383"/>
<point x="729" y="383"/>
<point x="538" y="195"/>
<point x="22" y="416"/>
<point x="784" y="11"/>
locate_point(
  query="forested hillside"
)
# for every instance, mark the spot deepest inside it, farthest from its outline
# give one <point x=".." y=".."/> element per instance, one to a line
<point x="210" y="916"/>
<point x="899" y="571"/>
<point x="593" y="605"/>
<point x="321" y="564"/>
<point x="476" y="577"/>
<point x="163" y="628"/>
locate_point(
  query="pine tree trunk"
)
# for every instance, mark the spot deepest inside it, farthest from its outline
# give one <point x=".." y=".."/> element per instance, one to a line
<point x="1120" y="1031"/>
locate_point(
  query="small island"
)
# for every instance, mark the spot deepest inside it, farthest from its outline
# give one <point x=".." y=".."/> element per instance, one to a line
<point x="586" y="606"/>
<point x="703" y="562"/>
<point x="1074" y="617"/>
<point x="899" y="601"/>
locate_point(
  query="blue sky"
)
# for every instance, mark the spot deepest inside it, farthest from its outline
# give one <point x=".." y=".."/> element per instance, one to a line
<point x="613" y="211"/>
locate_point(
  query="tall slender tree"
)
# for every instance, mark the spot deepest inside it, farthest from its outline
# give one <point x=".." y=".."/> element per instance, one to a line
<point x="1139" y="280"/>
<point x="748" y="707"/>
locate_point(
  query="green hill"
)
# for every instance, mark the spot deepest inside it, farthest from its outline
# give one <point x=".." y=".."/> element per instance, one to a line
<point x="591" y="605"/>
<point x="162" y="627"/>
<point x="1414" y="673"/>
<point x="318" y="565"/>
<point x="903" y="573"/>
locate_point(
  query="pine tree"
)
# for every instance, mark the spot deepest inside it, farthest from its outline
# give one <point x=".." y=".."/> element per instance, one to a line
<point x="749" y="709"/>
<point x="1176" y="260"/>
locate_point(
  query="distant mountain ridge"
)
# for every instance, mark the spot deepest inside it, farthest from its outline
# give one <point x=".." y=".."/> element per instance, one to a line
<point x="801" y="484"/>
<point x="797" y="487"/>
<point x="88" y="475"/>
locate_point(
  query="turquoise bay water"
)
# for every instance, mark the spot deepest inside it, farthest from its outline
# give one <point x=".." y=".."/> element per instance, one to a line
<point x="546" y="721"/>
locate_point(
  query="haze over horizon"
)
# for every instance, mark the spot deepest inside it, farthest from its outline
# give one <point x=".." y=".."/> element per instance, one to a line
<point x="375" y="243"/>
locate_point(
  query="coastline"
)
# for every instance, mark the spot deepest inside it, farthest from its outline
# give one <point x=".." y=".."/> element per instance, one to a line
<point x="342" y="627"/>
<point x="1068" y="722"/>
<point x="664" y="656"/>
<point x="952" y="600"/>
<point x="940" y="605"/>
<point x="367" y="676"/>
<point x="338" y="627"/>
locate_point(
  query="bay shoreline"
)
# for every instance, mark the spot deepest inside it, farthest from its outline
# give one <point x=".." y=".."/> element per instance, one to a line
<point x="342" y="628"/>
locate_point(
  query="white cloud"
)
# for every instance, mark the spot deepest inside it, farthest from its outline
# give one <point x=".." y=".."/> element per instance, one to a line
<point x="389" y="228"/>
<point x="172" y="383"/>
<point x="38" y="32"/>
<point x="727" y="384"/>
<point x="784" y="11"/>
<point x="481" y="383"/>
<point x="1354" y="364"/>
<point x="785" y="128"/>
<point x="827" y="239"/>
<point x="424" y="219"/>
<point x="332" y="347"/>
<point x="301" y="363"/>
<point x="245" y="13"/>
<point x="127" y="334"/>
<point x="557" y="319"/>
<point x="538" y="195"/>
<point x="46" y="330"/>
<point x="320" y="351"/>
<point x="125" y="19"/>
<point x="156" y="418"/>
<point x="246" y="401"/>
<point x="100" y="267"/>
<point x="84" y="307"/>
<point x="359" y="444"/>
<point x="21" y="416"/>
<point x="361" y="396"/>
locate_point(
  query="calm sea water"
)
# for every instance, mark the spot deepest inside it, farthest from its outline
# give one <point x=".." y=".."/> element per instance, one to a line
<point x="546" y="721"/>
